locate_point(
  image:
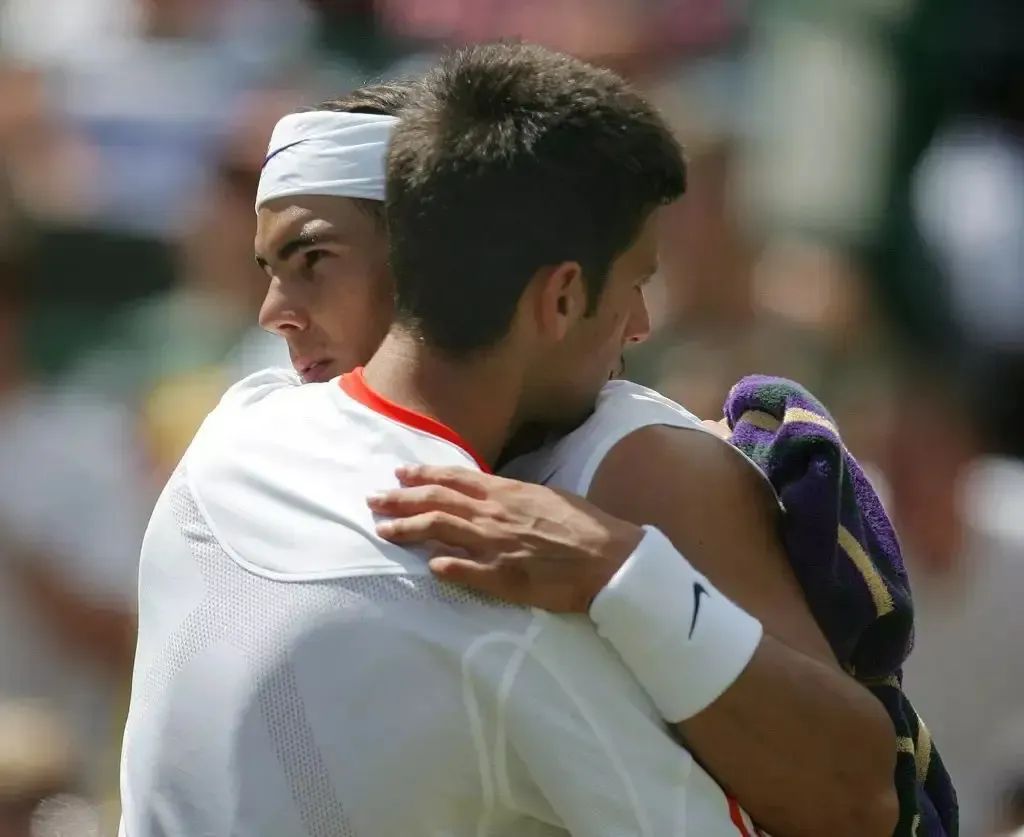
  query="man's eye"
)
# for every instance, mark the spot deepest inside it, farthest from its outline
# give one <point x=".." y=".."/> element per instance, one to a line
<point x="312" y="257"/>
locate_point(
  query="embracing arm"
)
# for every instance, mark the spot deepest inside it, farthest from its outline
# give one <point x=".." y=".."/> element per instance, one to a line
<point x="801" y="744"/>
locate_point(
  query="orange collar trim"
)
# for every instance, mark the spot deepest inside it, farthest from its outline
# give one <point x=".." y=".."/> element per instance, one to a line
<point x="354" y="385"/>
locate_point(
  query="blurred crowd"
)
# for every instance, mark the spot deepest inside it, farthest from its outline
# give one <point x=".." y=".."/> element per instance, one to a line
<point x="854" y="220"/>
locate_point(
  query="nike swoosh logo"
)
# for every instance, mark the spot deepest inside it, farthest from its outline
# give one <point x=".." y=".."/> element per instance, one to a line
<point x="698" y="589"/>
<point x="278" y="151"/>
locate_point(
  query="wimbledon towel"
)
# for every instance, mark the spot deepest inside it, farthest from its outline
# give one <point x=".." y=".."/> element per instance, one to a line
<point x="846" y="556"/>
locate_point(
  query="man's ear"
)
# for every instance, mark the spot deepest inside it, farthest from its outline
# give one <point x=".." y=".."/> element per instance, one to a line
<point x="559" y="299"/>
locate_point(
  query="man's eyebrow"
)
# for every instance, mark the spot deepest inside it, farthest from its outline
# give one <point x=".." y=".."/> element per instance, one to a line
<point x="303" y="239"/>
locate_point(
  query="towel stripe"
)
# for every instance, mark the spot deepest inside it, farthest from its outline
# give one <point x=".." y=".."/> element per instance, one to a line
<point x="761" y="419"/>
<point x="923" y="750"/>
<point x="800" y="414"/>
<point x="880" y="594"/>
<point x="905" y="745"/>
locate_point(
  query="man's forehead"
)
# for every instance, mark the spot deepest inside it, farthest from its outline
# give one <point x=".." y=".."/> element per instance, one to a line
<point x="290" y="222"/>
<point x="283" y="220"/>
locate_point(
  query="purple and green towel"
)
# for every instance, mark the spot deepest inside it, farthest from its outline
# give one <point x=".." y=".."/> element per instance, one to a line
<point x="846" y="556"/>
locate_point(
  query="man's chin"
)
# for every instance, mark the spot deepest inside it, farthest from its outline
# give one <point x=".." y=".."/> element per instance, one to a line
<point x="535" y="435"/>
<point x="572" y="418"/>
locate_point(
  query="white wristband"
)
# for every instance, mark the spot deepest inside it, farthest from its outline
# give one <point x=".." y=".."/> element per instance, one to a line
<point x="683" y="640"/>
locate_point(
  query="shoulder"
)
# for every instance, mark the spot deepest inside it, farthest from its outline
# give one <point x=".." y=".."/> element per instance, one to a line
<point x="660" y="473"/>
<point x="246" y="419"/>
<point x="622" y="408"/>
<point x="262" y="456"/>
<point x="718" y="510"/>
<point x="254" y="388"/>
<point x="264" y="403"/>
<point x="626" y="398"/>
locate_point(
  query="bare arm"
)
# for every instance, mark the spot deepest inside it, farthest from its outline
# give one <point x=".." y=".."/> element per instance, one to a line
<point x="802" y="745"/>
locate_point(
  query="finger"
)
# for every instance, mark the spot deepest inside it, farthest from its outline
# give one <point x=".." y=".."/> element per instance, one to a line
<point x="469" y="482"/>
<point x="481" y="576"/>
<point x="406" y="502"/>
<point x="453" y="531"/>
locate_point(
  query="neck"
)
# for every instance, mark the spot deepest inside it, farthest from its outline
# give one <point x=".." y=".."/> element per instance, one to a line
<point x="465" y="394"/>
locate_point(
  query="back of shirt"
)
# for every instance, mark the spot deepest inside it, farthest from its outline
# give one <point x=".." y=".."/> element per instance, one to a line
<point x="295" y="675"/>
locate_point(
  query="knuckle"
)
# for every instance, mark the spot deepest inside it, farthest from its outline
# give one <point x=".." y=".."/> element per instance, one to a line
<point x="431" y="519"/>
<point x="494" y="532"/>
<point x="511" y="487"/>
<point x="395" y="526"/>
<point x="491" y="508"/>
<point x="399" y="501"/>
<point x="433" y="493"/>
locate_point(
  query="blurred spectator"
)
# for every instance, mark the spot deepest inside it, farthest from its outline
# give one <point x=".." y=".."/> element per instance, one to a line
<point x="66" y="32"/>
<point x="967" y="203"/>
<point x="615" y="33"/>
<point x="72" y="509"/>
<point x="966" y="672"/>
<point x="957" y="497"/>
<point x="739" y="296"/>
<point x="36" y="36"/>
<point x="111" y="131"/>
<point x="134" y="111"/>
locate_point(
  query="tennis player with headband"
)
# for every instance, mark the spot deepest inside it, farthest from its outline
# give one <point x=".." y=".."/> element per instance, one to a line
<point x="765" y="709"/>
<point x="321" y="234"/>
<point x="329" y="336"/>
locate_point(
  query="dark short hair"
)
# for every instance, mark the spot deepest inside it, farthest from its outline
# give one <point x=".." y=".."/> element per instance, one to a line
<point x="384" y="99"/>
<point x="510" y="157"/>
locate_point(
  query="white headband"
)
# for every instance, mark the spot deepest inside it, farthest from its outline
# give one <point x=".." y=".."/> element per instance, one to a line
<point x="326" y="153"/>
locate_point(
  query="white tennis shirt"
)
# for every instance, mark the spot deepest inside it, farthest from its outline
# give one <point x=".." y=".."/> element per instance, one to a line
<point x="296" y="675"/>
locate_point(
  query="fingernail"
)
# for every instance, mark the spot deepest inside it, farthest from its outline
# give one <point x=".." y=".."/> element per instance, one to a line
<point x="376" y="499"/>
<point x="406" y="471"/>
<point x="385" y="529"/>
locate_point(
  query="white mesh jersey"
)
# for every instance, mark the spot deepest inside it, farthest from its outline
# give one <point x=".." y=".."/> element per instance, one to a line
<point x="295" y="675"/>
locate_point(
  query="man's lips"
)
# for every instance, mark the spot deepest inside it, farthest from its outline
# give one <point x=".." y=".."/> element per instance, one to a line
<point x="315" y="371"/>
